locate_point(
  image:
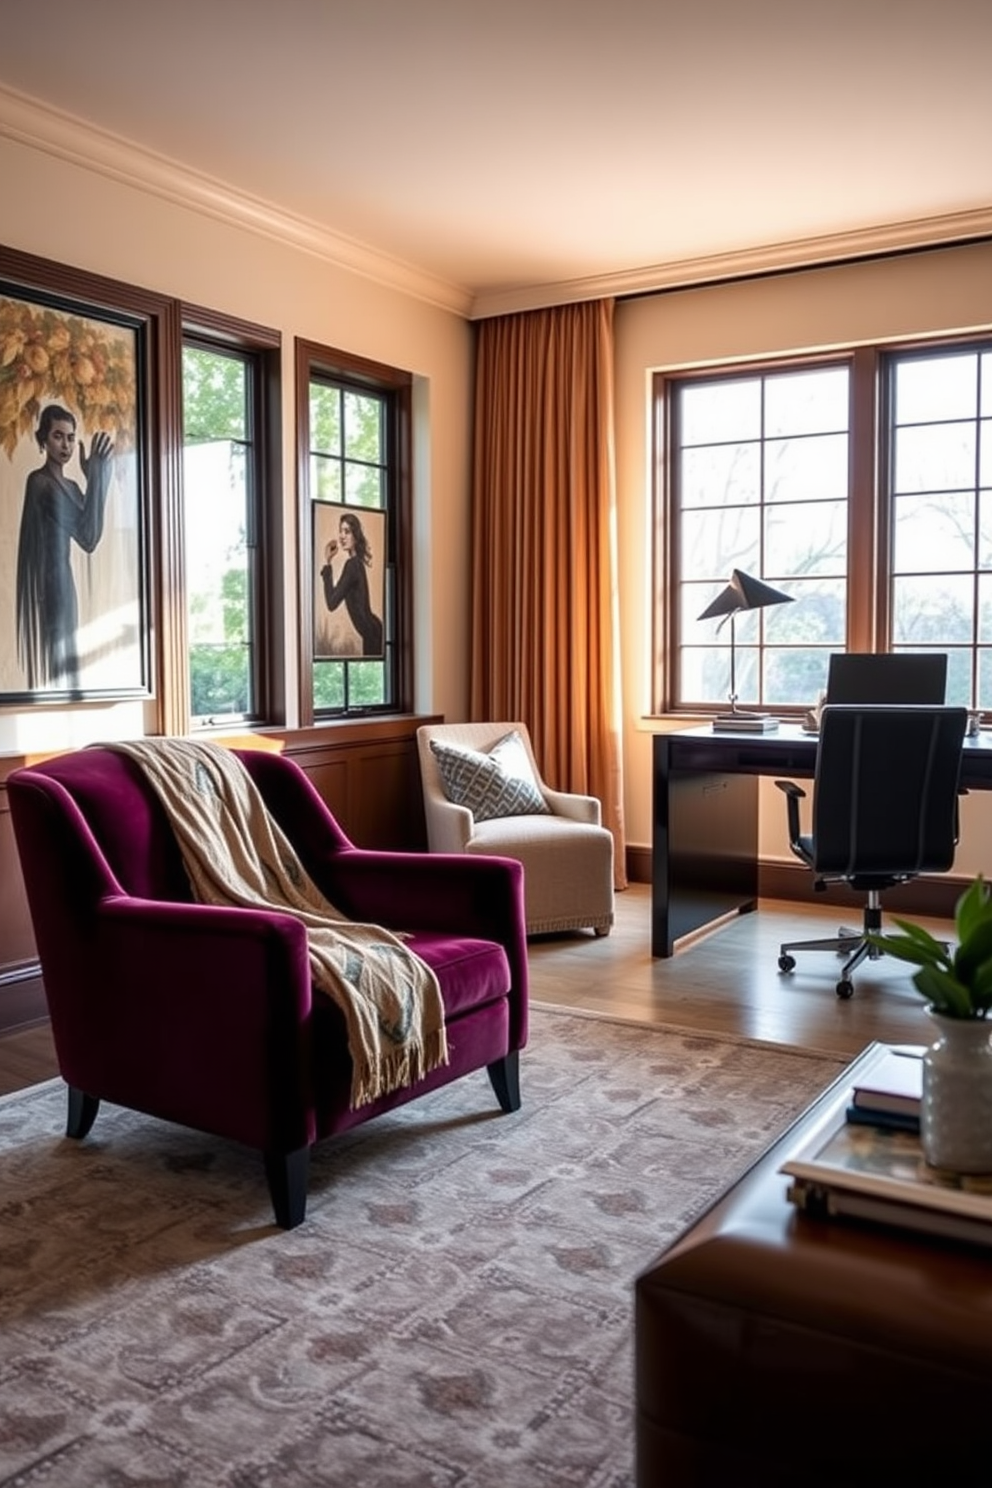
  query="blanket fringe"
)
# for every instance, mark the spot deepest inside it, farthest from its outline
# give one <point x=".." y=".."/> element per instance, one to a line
<point x="404" y="1067"/>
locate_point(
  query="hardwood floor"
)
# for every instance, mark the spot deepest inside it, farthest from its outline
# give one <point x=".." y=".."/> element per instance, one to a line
<point x="728" y="981"/>
<point x="27" y="1056"/>
<point x="724" y="981"/>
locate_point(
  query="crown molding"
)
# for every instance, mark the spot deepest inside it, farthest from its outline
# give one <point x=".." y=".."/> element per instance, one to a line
<point x="37" y="125"/>
<point x="774" y="258"/>
<point x="41" y="127"/>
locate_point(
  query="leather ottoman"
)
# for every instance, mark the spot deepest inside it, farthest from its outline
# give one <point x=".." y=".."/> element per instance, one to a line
<point x="772" y="1348"/>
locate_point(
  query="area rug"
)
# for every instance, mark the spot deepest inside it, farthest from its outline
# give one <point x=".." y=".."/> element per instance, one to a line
<point x="456" y="1311"/>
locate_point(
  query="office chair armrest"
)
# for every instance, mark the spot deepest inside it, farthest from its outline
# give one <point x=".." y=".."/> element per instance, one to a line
<point x="794" y="794"/>
<point x="962" y="791"/>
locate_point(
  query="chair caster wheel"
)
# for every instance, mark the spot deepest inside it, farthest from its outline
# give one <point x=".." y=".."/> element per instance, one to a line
<point x="786" y="963"/>
<point x="845" y="989"/>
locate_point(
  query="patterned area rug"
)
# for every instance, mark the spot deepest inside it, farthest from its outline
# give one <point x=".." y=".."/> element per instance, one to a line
<point x="456" y="1312"/>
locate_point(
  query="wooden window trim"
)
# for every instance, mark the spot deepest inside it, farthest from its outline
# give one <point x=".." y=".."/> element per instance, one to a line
<point x="869" y="604"/>
<point x="666" y="558"/>
<point x="263" y="345"/>
<point x="312" y="358"/>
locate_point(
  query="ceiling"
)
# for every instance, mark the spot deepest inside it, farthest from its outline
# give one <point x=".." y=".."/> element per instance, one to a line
<point x="499" y="154"/>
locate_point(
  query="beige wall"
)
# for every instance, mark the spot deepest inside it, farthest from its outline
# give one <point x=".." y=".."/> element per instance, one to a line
<point x="87" y="219"/>
<point x="926" y="293"/>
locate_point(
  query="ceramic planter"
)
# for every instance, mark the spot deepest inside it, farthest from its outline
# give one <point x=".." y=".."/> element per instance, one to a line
<point x="956" y="1116"/>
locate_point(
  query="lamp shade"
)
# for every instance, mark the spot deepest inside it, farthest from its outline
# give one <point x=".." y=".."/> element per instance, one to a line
<point x="744" y="593"/>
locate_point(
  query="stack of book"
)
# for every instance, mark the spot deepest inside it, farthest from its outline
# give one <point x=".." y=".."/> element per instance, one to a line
<point x="892" y="1094"/>
<point x="868" y="1166"/>
<point x="745" y="723"/>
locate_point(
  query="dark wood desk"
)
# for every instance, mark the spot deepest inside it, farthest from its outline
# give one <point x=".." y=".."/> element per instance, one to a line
<point x="705" y="818"/>
<point x="776" y="1349"/>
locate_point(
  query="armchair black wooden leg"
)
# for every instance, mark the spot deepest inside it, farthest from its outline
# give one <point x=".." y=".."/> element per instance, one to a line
<point x="81" y="1113"/>
<point x="504" y="1076"/>
<point x="286" y="1173"/>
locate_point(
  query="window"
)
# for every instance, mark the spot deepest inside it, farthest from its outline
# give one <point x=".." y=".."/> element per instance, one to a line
<point x="939" y="483"/>
<point x="861" y="486"/>
<point x="759" y="482"/>
<point x="227" y="476"/>
<point x="356" y="586"/>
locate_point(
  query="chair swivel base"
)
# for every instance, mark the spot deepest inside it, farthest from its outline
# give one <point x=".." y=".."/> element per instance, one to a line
<point x="859" y="948"/>
<point x="852" y="944"/>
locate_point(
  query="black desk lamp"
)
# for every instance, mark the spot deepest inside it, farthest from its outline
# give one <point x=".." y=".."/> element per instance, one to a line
<point x="742" y="593"/>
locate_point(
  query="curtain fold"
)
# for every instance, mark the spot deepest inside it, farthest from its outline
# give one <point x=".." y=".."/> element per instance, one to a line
<point x="544" y="596"/>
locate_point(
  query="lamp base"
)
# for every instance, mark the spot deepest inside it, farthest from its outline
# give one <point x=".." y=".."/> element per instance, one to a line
<point x="745" y="723"/>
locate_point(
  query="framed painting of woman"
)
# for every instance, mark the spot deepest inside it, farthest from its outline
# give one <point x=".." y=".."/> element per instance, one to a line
<point x="349" y="559"/>
<point x="73" y="540"/>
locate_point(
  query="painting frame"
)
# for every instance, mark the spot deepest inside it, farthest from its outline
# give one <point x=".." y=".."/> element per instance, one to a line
<point x="349" y="583"/>
<point x="74" y="556"/>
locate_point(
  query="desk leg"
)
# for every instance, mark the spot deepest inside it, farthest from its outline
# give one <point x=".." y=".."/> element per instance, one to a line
<point x="704" y="851"/>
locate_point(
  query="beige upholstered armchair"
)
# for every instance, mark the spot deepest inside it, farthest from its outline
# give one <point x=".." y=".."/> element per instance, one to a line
<point x="483" y="793"/>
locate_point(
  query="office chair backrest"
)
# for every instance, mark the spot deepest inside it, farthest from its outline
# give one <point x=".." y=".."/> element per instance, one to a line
<point x="886" y="790"/>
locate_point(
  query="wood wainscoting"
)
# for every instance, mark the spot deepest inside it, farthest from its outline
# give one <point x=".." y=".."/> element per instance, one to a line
<point x="367" y="772"/>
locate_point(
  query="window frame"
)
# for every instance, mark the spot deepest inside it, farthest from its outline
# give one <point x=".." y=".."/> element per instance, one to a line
<point x="978" y="345"/>
<point x="315" y="361"/>
<point x="869" y="570"/>
<point x="260" y="347"/>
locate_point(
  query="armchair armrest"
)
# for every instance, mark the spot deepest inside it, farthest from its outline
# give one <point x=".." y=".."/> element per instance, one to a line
<point x="450" y="827"/>
<point x="579" y="808"/>
<point x="200" y="1014"/>
<point x="480" y="896"/>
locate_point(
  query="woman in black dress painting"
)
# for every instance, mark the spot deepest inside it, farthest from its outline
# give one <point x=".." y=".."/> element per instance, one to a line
<point x="57" y="513"/>
<point x="351" y="588"/>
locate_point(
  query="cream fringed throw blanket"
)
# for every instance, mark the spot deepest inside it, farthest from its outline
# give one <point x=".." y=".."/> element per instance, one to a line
<point x="235" y="853"/>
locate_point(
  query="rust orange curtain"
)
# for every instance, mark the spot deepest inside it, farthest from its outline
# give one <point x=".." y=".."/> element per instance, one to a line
<point x="544" y="615"/>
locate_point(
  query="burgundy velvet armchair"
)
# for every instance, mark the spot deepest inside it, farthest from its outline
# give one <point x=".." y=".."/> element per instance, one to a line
<point x="205" y="1015"/>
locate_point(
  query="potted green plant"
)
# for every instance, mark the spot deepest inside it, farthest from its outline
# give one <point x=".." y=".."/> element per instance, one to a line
<point x="956" y="980"/>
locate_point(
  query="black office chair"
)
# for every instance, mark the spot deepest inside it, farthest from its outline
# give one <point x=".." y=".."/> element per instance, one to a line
<point x="885" y="808"/>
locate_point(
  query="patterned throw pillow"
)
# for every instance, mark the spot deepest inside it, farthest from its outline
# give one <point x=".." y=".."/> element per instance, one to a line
<point x="500" y="783"/>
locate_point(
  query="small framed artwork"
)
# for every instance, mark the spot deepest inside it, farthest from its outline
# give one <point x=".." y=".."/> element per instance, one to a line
<point x="349" y="561"/>
<point x="73" y="500"/>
